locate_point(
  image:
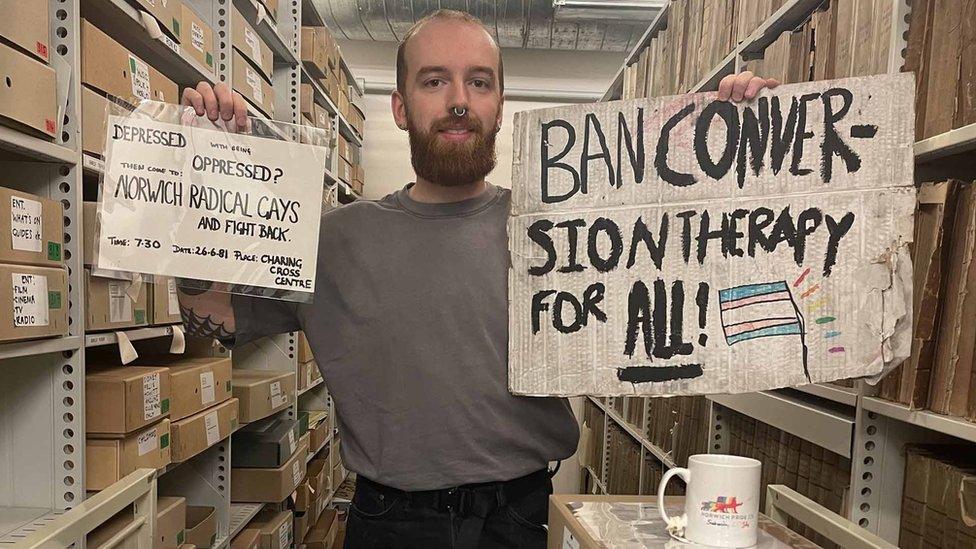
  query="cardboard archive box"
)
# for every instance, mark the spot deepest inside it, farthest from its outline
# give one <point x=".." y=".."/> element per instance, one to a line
<point x="315" y="50"/>
<point x="196" y="383"/>
<point x="262" y="392"/>
<point x="95" y="110"/>
<point x="249" y="82"/>
<point x="196" y="433"/>
<point x="275" y="528"/>
<point x="29" y="98"/>
<point x="249" y="538"/>
<point x="122" y="399"/>
<point x="268" y="443"/>
<point x="107" y="460"/>
<point x="319" y="433"/>
<point x="319" y="474"/>
<point x="108" y="305"/>
<point x="168" y="14"/>
<point x="26" y="25"/>
<point x="304" y="349"/>
<point x="164" y="303"/>
<point x="33" y="302"/>
<point x="36" y="228"/>
<point x="170" y="522"/>
<point x="306" y="101"/>
<point x="198" y="37"/>
<point x="247" y="41"/>
<point x="110" y="68"/>
<point x="323" y="534"/>
<point x="269" y="485"/>
<point x="201" y="526"/>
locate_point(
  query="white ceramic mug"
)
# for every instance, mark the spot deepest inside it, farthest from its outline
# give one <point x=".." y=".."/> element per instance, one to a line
<point x="721" y="499"/>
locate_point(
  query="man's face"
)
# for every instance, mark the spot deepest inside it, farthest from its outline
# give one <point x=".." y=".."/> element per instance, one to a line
<point x="450" y="64"/>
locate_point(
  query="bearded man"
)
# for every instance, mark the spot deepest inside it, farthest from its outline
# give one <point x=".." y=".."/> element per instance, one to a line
<point x="409" y="322"/>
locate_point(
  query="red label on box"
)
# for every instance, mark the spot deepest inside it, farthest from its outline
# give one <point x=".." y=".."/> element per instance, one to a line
<point x="49" y="125"/>
<point x="42" y="51"/>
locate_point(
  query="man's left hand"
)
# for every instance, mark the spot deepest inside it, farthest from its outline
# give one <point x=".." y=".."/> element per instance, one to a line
<point x="743" y="86"/>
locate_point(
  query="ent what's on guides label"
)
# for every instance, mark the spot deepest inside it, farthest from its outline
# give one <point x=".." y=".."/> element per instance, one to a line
<point x="191" y="202"/>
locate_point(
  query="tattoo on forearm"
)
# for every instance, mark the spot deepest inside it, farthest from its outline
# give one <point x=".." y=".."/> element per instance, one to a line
<point x="203" y="326"/>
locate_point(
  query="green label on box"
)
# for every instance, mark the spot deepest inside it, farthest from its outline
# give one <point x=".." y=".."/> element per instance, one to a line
<point x="209" y="59"/>
<point x="230" y="387"/>
<point x="164" y="406"/>
<point x="140" y="315"/>
<point x="176" y="27"/>
<point x="180" y="537"/>
<point x="53" y="300"/>
<point x="54" y="251"/>
<point x="164" y="441"/>
<point x="132" y="65"/>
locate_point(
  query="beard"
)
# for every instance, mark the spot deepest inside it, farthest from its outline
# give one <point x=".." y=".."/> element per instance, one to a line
<point x="452" y="164"/>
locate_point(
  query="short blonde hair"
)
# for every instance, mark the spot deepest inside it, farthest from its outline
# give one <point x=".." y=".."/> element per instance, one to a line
<point x="442" y="14"/>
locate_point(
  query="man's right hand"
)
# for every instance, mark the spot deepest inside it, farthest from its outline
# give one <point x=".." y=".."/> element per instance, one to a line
<point x="217" y="102"/>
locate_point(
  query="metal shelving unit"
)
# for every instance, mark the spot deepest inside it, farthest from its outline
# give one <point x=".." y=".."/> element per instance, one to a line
<point x="952" y="426"/>
<point x="124" y="22"/>
<point x="240" y="515"/>
<point x="135" y="334"/>
<point x="957" y="141"/>
<point x="809" y="420"/>
<point x="35" y="148"/>
<point x="632" y="430"/>
<point x="42" y="405"/>
<point x="848" y="421"/>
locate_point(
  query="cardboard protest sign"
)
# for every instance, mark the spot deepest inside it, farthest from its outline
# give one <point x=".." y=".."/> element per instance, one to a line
<point x="198" y="203"/>
<point x="685" y="245"/>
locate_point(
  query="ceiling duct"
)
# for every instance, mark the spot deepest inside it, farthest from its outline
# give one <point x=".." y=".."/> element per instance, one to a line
<point x="528" y="24"/>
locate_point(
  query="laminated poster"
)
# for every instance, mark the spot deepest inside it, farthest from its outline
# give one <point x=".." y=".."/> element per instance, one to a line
<point x="685" y="245"/>
<point x="184" y="198"/>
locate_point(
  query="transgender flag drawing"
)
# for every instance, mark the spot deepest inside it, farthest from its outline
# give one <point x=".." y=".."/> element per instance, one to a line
<point x="761" y="310"/>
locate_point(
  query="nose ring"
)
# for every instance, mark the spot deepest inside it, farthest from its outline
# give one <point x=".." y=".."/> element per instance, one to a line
<point x="459" y="111"/>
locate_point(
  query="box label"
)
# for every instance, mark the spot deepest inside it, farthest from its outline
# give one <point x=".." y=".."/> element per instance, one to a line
<point x="25" y="224"/>
<point x="119" y="304"/>
<point x="140" y="78"/>
<point x="164" y="441"/>
<point x="252" y="41"/>
<point x="277" y="398"/>
<point x="54" y="251"/>
<point x="569" y="542"/>
<point x="170" y="43"/>
<point x="296" y="472"/>
<point x="291" y="442"/>
<point x="196" y="36"/>
<point x="148" y="442"/>
<point x="151" y="405"/>
<point x="207" y="388"/>
<point x="213" y="428"/>
<point x="173" y="301"/>
<point x="254" y="81"/>
<point x="308" y="375"/>
<point x="30" y="300"/>
<point x="53" y="299"/>
<point x="283" y="535"/>
<point x="140" y="316"/>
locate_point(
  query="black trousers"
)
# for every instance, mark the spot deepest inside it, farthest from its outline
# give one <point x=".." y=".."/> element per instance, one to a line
<point x="489" y="515"/>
